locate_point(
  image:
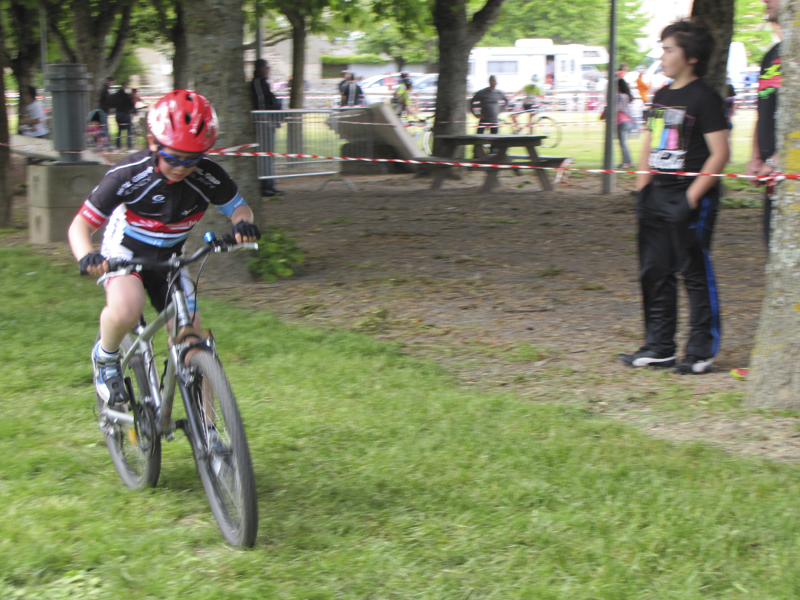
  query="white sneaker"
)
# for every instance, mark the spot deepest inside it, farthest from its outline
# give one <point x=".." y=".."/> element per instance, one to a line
<point x="108" y="378"/>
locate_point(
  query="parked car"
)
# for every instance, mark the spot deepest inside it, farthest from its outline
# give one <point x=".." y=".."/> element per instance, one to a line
<point x="382" y="85"/>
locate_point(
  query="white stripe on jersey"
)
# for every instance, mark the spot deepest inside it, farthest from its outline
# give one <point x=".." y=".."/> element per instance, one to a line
<point x="189" y="183"/>
<point x="117" y="168"/>
<point x="144" y="193"/>
<point x="112" y="238"/>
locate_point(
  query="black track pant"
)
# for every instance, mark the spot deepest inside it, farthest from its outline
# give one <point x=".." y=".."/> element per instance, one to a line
<point x="674" y="238"/>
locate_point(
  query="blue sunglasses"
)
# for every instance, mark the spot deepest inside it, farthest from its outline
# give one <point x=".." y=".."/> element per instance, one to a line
<point x="174" y="161"/>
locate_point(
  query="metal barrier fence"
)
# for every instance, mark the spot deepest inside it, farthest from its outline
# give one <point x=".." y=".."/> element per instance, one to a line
<point x="322" y="132"/>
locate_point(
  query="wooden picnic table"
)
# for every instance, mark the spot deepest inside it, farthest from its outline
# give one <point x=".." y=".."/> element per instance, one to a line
<point x="499" y="143"/>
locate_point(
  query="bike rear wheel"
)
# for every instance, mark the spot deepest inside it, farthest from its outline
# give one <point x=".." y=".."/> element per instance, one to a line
<point x="223" y="458"/>
<point x="548" y="126"/>
<point x="135" y="448"/>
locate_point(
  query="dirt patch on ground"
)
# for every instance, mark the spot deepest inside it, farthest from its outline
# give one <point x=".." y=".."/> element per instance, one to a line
<point x="530" y="291"/>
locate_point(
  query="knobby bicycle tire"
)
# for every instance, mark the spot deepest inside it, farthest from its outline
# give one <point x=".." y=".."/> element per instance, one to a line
<point x="227" y="475"/>
<point x="135" y="449"/>
<point x="550" y="127"/>
<point x="427" y="139"/>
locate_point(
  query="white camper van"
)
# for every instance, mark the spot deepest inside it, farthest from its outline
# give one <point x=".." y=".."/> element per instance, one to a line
<point x="558" y="67"/>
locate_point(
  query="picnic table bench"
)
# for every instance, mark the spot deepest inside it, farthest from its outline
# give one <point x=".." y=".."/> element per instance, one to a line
<point x="501" y="145"/>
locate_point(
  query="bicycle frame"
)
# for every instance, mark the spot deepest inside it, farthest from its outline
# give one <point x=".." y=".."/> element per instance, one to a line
<point x="175" y="373"/>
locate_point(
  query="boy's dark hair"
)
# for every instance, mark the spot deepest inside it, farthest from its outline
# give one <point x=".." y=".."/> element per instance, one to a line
<point x="697" y="41"/>
<point x="32" y="92"/>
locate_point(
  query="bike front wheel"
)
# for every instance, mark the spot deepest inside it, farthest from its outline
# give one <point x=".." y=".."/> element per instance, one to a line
<point x="135" y="448"/>
<point x="223" y="456"/>
<point x="548" y="126"/>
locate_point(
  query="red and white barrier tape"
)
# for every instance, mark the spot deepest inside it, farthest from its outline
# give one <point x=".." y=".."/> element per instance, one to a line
<point x="772" y="178"/>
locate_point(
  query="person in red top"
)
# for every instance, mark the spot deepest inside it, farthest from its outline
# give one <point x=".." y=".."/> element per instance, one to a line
<point x="150" y="201"/>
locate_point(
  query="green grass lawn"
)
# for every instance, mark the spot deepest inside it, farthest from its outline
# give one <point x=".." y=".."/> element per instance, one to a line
<point x="378" y="477"/>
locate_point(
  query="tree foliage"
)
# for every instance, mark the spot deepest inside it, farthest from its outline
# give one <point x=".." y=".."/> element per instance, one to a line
<point x="92" y="33"/>
<point x="577" y="22"/>
<point x="751" y="29"/>
<point x="403" y="45"/>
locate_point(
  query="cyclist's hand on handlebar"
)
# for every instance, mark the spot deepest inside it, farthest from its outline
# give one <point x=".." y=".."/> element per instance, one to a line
<point x="93" y="263"/>
<point x="245" y="232"/>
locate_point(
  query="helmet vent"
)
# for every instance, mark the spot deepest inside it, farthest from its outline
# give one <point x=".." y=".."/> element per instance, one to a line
<point x="200" y="129"/>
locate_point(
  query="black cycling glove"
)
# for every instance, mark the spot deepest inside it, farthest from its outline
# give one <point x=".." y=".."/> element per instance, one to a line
<point x="90" y="260"/>
<point x="246" y="230"/>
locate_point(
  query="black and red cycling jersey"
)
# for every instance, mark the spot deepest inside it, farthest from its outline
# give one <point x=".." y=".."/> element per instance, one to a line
<point x="146" y="212"/>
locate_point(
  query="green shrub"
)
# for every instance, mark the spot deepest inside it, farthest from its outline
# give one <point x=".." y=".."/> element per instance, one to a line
<point x="277" y="254"/>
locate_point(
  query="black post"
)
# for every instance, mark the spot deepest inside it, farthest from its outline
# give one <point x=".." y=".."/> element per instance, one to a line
<point x="611" y="102"/>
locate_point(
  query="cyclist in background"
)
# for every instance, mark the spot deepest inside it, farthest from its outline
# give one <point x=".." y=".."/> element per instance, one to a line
<point x="402" y="98"/>
<point x="151" y="200"/>
<point x="530" y="102"/>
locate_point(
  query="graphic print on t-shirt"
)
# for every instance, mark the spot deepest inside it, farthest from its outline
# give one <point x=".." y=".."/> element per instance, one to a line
<point x="770" y="80"/>
<point x="670" y="129"/>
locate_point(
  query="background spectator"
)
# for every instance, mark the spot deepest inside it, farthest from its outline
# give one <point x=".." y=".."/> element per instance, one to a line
<point x="32" y="120"/>
<point x="124" y="109"/>
<point x="262" y="98"/>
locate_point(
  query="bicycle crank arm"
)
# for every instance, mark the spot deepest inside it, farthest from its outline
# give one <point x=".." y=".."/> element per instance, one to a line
<point x="117" y="417"/>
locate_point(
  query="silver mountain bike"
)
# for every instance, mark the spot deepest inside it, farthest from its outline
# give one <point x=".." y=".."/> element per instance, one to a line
<point x="213" y="425"/>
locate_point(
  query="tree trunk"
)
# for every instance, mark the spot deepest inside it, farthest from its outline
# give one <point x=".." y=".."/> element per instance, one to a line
<point x="719" y="15"/>
<point x="5" y="186"/>
<point x="90" y="33"/>
<point x="180" y="60"/>
<point x="774" y="379"/>
<point x="457" y="36"/>
<point x="24" y="21"/>
<point x="400" y="62"/>
<point x="214" y="34"/>
<point x="451" y="100"/>
<point x="298" y="22"/>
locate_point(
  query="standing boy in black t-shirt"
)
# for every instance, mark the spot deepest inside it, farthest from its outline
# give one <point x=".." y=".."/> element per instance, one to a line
<point x="687" y="132"/>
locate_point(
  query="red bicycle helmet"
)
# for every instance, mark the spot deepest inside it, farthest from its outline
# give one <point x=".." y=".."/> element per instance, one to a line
<point x="184" y="120"/>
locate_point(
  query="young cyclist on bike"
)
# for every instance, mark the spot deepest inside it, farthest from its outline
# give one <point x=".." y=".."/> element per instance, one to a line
<point x="151" y="201"/>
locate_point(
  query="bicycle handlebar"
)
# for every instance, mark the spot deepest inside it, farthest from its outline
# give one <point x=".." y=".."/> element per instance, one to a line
<point x="226" y="243"/>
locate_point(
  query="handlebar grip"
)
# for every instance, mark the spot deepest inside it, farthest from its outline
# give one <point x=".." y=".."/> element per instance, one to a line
<point x="115" y="264"/>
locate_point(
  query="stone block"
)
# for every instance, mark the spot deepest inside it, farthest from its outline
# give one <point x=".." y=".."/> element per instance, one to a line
<point x="55" y="193"/>
<point x="49" y="225"/>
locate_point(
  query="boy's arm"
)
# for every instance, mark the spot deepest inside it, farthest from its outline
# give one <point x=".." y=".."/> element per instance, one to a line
<point x="758" y="165"/>
<point x="244" y="214"/>
<point x="80" y="241"/>
<point x="644" y="178"/>
<point x="717" y="142"/>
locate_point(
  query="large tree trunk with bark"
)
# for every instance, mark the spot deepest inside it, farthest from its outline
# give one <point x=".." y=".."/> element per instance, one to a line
<point x="214" y="32"/>
<point x="457" y="36"/>
<point x="718" y="14"/>
<point x="24" y="21"/>
<point x="180" y="60"/>
<point x="774" y="379"/>
<point x="299" y="33"/>
<point x="90" y="30"/>
<point x="5" y="186"/>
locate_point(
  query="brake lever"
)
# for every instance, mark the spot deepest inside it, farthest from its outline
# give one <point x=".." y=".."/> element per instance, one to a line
<point x="123" y="271"/>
